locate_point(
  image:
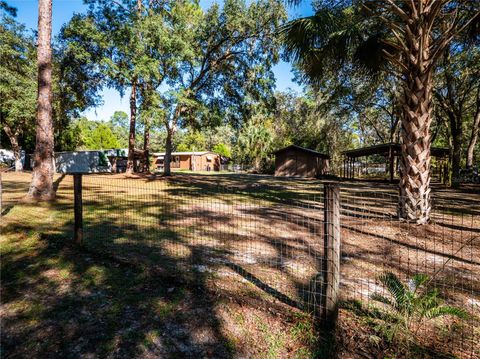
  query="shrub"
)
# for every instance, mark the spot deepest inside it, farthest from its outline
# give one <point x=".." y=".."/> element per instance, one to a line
<point x="408" y="306"/>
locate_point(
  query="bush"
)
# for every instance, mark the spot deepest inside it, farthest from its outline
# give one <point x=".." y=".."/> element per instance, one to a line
<point x="408" y="306"/>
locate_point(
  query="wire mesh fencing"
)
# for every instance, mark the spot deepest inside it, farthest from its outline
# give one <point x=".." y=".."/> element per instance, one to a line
<point x="274" y="237"/>
<point x="258" y="234"/>
<point x="268" y="241"/>
<point x="414" y="272"/>
<point x="14" y="187"/>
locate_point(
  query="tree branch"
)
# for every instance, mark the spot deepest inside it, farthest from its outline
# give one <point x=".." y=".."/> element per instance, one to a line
<point x="399" y="11"/>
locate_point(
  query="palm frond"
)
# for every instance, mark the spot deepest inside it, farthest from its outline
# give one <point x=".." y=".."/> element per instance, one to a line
<point x="443" y="310"/>
<point x="396" y="288"/>
<point x="382" y="299"/>
<point x="429" y="300"/>
<point x="333" y="39"/>
<point x="369" y="54"/>
<point x="302" y="35"/>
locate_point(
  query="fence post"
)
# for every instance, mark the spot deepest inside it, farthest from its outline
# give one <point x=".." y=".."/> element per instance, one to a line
<point x="331" y="260"/>
<point x="1" y="194"/>
<point x="78" y="208"/>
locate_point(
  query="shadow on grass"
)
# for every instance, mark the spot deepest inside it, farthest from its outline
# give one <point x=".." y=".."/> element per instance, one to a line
<point x="65" y="302"/>
<point x="128" y="295"/>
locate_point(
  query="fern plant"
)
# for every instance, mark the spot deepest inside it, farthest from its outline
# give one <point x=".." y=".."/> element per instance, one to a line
<point x="409" y="305"/>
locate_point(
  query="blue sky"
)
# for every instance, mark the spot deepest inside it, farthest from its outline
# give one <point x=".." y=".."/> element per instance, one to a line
<point x="63" y="11"/>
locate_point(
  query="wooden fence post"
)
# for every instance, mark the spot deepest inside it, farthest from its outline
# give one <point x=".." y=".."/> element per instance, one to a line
<point x="331" y="260"/>
<point x="1" y="194"/>
<point x="78" y="208"/>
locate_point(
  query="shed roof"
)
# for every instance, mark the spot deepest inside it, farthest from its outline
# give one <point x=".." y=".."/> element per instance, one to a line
<point x="193" y="153"/>
<point x="106" y="151"/>
<point x="384" y="148"/>
<point x="303" y="149"/>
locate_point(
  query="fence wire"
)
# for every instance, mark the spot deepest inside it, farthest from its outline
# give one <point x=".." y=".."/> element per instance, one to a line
<point x="271" y="237"/>
<point x="260" y="234"/>
<point x="447" y="250"/>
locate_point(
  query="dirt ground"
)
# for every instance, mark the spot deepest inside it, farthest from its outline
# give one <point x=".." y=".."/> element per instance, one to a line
<point x="224" y="266"/>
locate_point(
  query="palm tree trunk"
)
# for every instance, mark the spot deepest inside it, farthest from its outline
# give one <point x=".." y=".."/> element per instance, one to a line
<point x="131" y="136"/>
<point x="41" y="186"/>
<point x="415" y="200"/>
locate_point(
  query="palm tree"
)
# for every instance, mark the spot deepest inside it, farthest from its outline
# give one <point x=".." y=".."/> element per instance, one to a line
<point x="406" y="37"/>
<point x="408" y="306"/>
<point x="41" y="186"/>
<point x="255" y="141"/>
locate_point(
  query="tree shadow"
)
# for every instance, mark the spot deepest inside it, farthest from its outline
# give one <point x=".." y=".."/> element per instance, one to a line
<point x="57" y="182"/>
<point x="6" y="210"/>
<point x="139" y="286"/>
<point x="105" y="306"/>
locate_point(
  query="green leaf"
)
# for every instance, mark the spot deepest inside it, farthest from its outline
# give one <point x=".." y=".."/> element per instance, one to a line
<point x="396" y="288"/>
<point x="382" y="299"/>
<point x="447" y="310"/>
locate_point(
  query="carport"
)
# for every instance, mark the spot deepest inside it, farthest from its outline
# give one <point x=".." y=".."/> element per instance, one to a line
<point x="352" y="168"/>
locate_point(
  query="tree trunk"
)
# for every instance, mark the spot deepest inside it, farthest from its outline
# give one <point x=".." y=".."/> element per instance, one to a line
<point x="131" y="136"/>
<point x="391" y="164"/>
<point x="146" y="145"/>
<point x="171" y="128"/>
<point x="415" y="201"/>
<point x="18" y="160"/>
<point x="257" y="163"/>
<point x="168" y="152"/>
<point x="13" y="137"/>
<point x="41" y="186"/>
<point x="453" y="109"/>
<point x="473" y="136"/>
<point x="457" y="139"/>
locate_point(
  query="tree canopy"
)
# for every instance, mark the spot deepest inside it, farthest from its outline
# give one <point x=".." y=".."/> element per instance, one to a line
<point x="201" y="78"/>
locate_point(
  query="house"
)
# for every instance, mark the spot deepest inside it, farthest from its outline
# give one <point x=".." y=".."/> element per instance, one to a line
<point x="193" y="161"/>
<point x="296" y="161"/>
<point x="93" y="161"/>
<point x="119" y="159"/>
<point x="82" y="161"/>
<point x="7" y="158"/>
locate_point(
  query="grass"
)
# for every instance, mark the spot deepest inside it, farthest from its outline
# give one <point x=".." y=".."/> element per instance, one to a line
<point x="62" y="301"/>
<point x="274" y="341"/>
<point x="155" y="280"/>
<point x="55" y="294"/>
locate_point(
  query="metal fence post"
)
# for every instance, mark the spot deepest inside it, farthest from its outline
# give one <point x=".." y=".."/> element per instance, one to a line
<point x="331" y="260"/>
<point x="78" y="208"/>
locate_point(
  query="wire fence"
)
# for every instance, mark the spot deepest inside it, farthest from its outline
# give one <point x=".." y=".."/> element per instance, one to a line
<point x="273" y="236"/>
<point x="256" y="233"/>
<point x="446" y="251"/>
